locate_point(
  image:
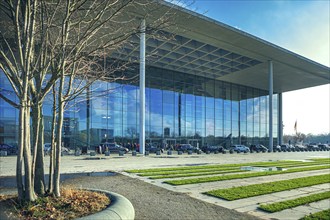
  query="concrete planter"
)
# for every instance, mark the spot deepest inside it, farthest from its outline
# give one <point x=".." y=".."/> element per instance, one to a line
<point x="107" y="153"/>
<point x="121" y="153"/>
<point x="119" y="208"/>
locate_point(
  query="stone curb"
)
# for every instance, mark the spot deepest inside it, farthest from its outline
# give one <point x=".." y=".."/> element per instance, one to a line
<point x="120" y="208"/>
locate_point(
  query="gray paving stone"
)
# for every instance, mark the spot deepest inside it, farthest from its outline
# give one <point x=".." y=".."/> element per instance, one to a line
<point x="323" y="186"/>
<point x="321" y="205"/>
<point x="248" y="208"/>
<point x="288" y="193"/>
<point x="288" y="214"/>
<point x="306" y="209"/>
<point x="72" y="164"/>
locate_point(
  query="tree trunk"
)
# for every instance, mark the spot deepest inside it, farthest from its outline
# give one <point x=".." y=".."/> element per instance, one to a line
<point x="19" y="162"/>
<point x="59" y="138"/>
<point x="38" y="138"/>
<point x="52" y="151"/>
<point x="29" y="189"/>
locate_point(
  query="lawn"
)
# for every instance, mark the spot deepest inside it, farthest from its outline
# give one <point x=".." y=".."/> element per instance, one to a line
<point x="279" y="206"/>
<point x="197" y="174"/>
<point x="267" y="188"/>
<point x="243" y="175"/>
<point x="173" y="170"/>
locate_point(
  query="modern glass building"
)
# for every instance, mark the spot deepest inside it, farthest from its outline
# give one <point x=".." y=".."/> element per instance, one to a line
<point x="209" y="84"/>
<point x="180" y="108"/>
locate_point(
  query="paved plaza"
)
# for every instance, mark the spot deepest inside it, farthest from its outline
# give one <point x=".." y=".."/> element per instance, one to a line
<point x="99" y="164"/>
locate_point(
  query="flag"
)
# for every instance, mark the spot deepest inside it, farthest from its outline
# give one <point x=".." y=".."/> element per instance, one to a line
<point x="295" y="126"/>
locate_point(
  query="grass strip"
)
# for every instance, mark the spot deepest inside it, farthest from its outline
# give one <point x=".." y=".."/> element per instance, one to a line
<point x="321" y="160"/>
<point x="304" y="164"/>
<point x="266" y="188"/>
<point x="195" y="174"/>
<point x="322" y="215"/>
<point x="241" y="176"/>
<point x="189" y="171"/>
<point x="221" y="168"/>
<point x="279" y="206"/>
<point x="192" y="174"/>
<point x="183" y="168"/>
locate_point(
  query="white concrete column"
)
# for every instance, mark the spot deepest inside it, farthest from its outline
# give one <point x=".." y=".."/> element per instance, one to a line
<point x="280" y="120"/>
<point x="270" y="107"/>
<point x="142" y="85"/>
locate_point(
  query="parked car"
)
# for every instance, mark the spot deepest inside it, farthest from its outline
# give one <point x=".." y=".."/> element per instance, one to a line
<point x="153" y="148"/>
<point x="258" y="148"/>
<point x="300" y="147"/>
<point x="324" y="147"/>
<point x="113" y="147"/>
<point x="212" y="149"/>
<point x="240" y="148"/>
<point x="48" y="148"/>
<point x="277" y="148"/>
<point x="11" y="150"/>
<point x="187" y="147"/>
<point x="287" y="147"/>
<point x="312" y="146"/>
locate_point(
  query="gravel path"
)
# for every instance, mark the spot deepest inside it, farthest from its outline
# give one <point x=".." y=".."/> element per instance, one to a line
<point x="153" y="202"/>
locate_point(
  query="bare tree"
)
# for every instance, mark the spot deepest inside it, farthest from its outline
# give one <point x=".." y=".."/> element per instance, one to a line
<point x="62" y="45"/>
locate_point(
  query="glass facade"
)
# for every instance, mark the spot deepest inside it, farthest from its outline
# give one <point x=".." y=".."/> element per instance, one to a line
<point x="180" y="108"/>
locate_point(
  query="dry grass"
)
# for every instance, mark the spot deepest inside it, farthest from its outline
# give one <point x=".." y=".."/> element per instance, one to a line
<point x="73" y="203"/>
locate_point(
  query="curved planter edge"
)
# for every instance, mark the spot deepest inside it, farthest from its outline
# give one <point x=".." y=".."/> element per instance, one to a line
<point x="119" y="208"/>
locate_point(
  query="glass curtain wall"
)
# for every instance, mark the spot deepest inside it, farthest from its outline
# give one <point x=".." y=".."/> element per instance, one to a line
<point x="180" y="108"/>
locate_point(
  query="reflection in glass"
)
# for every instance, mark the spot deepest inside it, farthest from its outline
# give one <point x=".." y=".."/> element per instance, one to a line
<point x="178" y="106"/>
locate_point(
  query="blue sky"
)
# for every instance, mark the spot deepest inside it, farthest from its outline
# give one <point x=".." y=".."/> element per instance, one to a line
<point x="300" y="26"/>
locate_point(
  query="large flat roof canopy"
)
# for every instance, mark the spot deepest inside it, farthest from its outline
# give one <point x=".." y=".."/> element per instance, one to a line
<point x="202" y="46"/>
<point x="209" y="48"/>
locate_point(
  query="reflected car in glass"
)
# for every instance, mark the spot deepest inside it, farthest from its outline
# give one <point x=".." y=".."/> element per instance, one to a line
<point x="113" y="147"/>
<point x="258" y="148"/>
<point x="187" y="147"/>
<point x="153" y="148"/>
<point x="324" y="147"/>
<point x="287" y="147"/>
<point x="240" y="148"/>
<point x="11" y="150"/>
<point x="48" y="148"/>
<point x="300" y="147"/>
<point x="212" y="149"/>
<point x="312" y="146"/>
